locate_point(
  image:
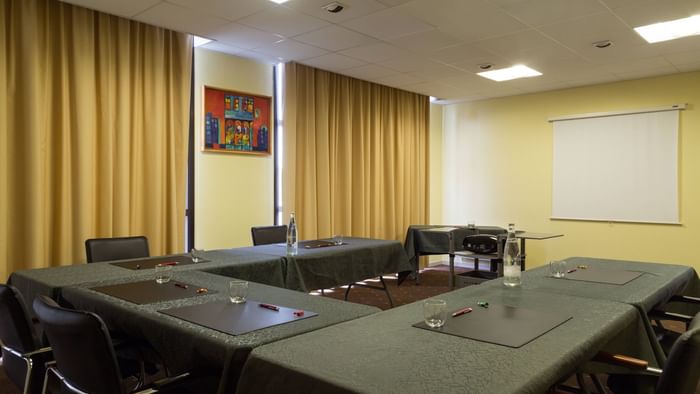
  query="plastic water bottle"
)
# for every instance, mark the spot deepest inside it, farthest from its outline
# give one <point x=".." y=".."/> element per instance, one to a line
<point x="511" y="259"/>
<point x="292" y="244"/>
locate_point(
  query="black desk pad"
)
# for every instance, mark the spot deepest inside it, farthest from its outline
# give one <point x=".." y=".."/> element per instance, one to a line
<point x="235" y="319"/>
<point x="148" y="292"/>
<point x="151" y="262"/>
<point x="319" y="243"/>
<point x="500" y="324"/>
<point x="612" y="277"/>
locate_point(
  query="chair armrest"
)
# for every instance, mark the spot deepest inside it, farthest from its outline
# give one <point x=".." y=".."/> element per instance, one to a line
<point x="627" y="362"/>
<point x="163" y="383"/>
<point x="656" y="314"/>
<point x="688" y="299"/>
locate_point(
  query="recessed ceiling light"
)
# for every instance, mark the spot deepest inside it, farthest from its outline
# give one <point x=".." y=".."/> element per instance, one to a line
<point x="602" y="44"/>
<point x="279" y="1"/>
<point x="199" y="41"/>
<point x="670" y="30"/>
<point x="506" y="74"/>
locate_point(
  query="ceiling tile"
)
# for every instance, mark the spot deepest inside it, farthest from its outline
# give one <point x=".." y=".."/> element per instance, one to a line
<point x="369" y="72"/>
<point x="243" y="36"/>
<point x="688" y="67"/>
<point x="260" y="57"/>
<point x="647" y="73"/>
<point x="524" y="47"/>
<point x="467" y="20"/>
<point x="352" y="9"/>
<point x="126" y="8"/>
<point x="426" y="42"/>
<point x="334" y="38"/>
<point x="284" y="21"/>
<point x="647" y="12"/>
<point x="219" y="47"/>
<point x="468" y="82"/>
<point x="291" y="50"/>
<point x="228" y="9"/>
<point x="392" y="3"/>
<point x="181" y="19"/>
<point x="437" y="71"/>
<point x="465" y="54"/>
<point x="579" y="34"/>
<point x="681" y="58"/>
<point x="333" y="62"/>
<point x="540" y="12"/>
<point x="411" y="62"/>
<point x="633" y="65"/>
<point x="398" y="80"/>
<point x="388" y="24"/>
<point x="375" y="53"/>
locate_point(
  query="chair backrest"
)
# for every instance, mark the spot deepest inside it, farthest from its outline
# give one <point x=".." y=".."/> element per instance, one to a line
<point x="682" y="370"/>
<point x="81" y="347"/>
<point x="16" y="332"/>
<point x="269" y="234"/>
<point x="121" y="248"/>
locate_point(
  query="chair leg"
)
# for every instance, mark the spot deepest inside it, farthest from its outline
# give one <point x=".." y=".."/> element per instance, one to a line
<point x="582" y="383"/>
<point x="347" y="291"/>
<point x="598" y="384"/>
<point x="386" y="290"/>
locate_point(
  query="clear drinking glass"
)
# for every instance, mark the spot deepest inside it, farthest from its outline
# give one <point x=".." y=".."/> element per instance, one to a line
<point x="164" y="272"/>
<point x="435" y="313"/>
<point x="557" y="268"/>
<point x="338" y="239"/>
<point x="238" y="291"/>
<point x="196" y="255"/>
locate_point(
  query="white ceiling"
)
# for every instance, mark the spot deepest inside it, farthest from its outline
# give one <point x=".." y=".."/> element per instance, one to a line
<point x="434" y="47"/>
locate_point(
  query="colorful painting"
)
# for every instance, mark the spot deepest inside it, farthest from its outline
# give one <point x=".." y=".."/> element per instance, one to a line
<point x="236" y="122"/>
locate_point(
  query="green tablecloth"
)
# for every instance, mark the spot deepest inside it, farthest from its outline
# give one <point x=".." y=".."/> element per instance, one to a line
<point x="186" y="346"/>
<point x="383" y="353"/>
<point x="357" y="259"/>
<point x="652" y="289"/>
<point x="49" y="281"/>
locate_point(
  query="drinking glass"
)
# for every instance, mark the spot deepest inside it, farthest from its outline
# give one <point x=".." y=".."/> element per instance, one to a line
<point x="237" y="291"/>
<point x="557" y="268"/>
<point x="164" y="272"/>
<point x="338" y="239"/>
<point x="196" y="255"/>
<point x="435" y="312"/>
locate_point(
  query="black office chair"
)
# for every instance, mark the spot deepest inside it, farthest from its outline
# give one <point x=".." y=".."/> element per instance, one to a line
<point x="86" y="361"/>
<point x="120" y="248"/>
<point x="269" y="234"/>
<point x="23" y="356"/>
<point x="680" y="375"/>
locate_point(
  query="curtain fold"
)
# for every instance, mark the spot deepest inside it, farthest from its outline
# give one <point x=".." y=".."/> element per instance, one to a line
<point x="355" y="155"/>
<point x="93" y="128"/>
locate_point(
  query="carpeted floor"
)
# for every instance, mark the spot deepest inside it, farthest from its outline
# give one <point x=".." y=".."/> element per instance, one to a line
<point x="433" y="281"/>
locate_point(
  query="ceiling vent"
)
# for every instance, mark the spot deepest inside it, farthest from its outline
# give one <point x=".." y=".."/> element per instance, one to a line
<point x="333" y="8"/>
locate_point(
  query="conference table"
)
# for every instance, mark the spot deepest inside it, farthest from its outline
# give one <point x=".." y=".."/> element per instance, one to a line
<point x="186" y="346"/>
<point x="654" y="286"/>
<point x="320" y="267"/>
<point x="384" y="352"/>
<point x="314" y="268"/>
<point x="50" y="281"/>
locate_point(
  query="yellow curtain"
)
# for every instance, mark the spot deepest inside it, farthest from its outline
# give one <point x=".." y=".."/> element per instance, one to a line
<point x="94" y="116"/>
<point x="355" y="155"/>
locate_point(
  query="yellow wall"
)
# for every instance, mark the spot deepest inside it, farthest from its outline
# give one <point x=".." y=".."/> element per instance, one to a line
<point x="233" y="192"/>
<point x="498" y="169"/>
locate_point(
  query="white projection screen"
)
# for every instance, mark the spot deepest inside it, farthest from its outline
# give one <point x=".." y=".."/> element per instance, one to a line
<point x="618" y="168"/>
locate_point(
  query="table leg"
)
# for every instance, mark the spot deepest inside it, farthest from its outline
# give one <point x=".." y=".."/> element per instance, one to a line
<point x="452" y="271"/>
<point x="522" y="254"/>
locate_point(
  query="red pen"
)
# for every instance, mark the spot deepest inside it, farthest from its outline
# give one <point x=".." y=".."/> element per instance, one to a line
<point x="181" y="285"/>
<point x="571" y="270"/>
<point x="270" y="307"/>
<point x="461" y="312"/>
<point x="169" y="263"/>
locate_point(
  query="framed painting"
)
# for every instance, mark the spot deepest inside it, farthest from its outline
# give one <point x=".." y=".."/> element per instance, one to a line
<point x="236" y="122"/>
